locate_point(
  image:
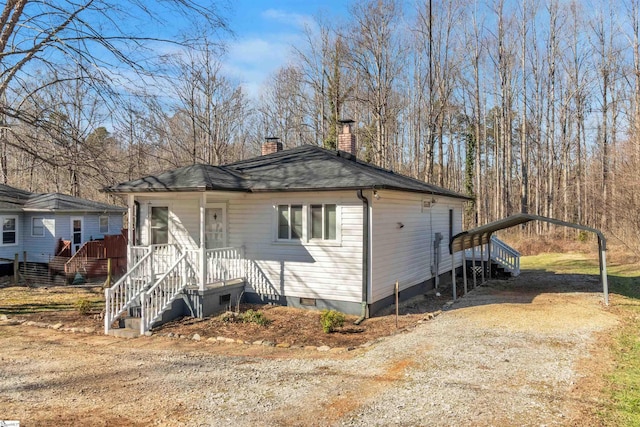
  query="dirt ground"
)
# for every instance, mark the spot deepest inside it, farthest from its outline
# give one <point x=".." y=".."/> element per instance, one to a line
<point x="295" y="327"/>
<point x="527" y="351"/>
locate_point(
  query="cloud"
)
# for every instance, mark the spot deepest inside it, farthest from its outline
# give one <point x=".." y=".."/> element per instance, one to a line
<point x="252" y="60"/>
<point x="297" y="20"/>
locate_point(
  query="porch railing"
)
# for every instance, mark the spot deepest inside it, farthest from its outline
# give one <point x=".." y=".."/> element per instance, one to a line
<point x="505" y="255"/>
<point x="164" y="291"/>
<point x="161" y="272"/>
<point x="137" y="252"/>
<point x="124" y="293"/>
<point x="224" y="264"/>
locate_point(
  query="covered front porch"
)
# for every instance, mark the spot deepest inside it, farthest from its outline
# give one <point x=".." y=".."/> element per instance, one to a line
<point x="180" y="252"/>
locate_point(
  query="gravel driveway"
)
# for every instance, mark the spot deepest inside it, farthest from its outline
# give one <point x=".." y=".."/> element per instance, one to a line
<point x="506" y="354"/>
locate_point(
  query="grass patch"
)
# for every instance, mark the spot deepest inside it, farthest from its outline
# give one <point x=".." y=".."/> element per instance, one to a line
<point x="624" y="381"/>
<point x="22" y="300"/>
<point x="623" y="390"/>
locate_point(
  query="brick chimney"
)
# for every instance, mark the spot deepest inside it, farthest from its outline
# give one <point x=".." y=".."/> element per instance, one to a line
<point x="346" y="139"/>
<point x="271" y="145"/>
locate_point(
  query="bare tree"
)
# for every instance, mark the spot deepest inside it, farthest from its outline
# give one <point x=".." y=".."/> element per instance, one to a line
<point x="376" y="55"/>
<point x="102" y="38"/>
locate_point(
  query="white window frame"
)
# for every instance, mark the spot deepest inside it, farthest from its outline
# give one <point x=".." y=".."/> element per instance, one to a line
<point x="100" y="224"/>
<point x="277" y="222"/>
<point x="33" y="227"/>
<point x="306" y="223"/>
<point x="3" y="218"/>
<point x="310" y="223"/>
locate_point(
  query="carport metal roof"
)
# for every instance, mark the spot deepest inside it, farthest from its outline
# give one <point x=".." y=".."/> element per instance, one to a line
<point x="482" y="236"/>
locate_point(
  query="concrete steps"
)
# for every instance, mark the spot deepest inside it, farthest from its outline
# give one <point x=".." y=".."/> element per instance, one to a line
<point x="129" y="327"/>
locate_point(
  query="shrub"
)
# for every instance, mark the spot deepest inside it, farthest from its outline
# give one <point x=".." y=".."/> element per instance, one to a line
<point x="83" y="306"/>
<point x="330" y="320"/>
<point x="253" y="316"/>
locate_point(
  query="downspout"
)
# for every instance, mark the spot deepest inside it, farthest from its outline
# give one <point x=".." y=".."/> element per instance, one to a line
<point x="365" y="256"/>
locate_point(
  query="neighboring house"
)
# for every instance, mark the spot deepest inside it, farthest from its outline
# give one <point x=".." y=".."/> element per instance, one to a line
<point x="302" y="227"/>
<point x="33" y="223"/>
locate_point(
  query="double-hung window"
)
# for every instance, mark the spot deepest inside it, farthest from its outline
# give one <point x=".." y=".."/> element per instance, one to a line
<point x="9" y="230"/>
<point x="323" y="222"/>
<point x="37" y="227"/>
<point x="289" y="222"/>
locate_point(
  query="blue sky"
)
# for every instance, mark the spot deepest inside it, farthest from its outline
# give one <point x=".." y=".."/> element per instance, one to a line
<point x="265" y="33"/>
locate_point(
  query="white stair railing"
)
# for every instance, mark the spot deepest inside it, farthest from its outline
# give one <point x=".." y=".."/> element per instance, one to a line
<point x="125" y="292"/>
<point x="505" y="255"/>
<point x="224" y="264"/>
<point x="164" y="291"/>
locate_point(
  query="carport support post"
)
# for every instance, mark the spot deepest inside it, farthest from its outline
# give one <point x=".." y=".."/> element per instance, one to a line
<point x="473" y="260"/>
<point x="464" y="270"/>
<point x="482" y="260"/>
<point x="453" y="276"/>
<point x="603" y="271"/>
<point x="489" y="257"/>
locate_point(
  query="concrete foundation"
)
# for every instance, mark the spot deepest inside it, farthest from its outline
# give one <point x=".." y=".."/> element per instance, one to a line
<point x="306" y="303"/>
<point x="197" y="303"/>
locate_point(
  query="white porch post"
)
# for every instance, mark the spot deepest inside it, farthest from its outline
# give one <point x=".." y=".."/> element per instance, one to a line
<point x="203" y="250"/>
<point x="132" y="222"/>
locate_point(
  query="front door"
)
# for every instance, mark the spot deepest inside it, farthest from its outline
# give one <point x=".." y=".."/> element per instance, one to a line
<point x="215" y="233"/>
<point x="76" y="233"/>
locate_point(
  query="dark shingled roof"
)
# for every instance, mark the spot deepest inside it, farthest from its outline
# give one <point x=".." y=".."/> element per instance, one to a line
<point x="63" y="202"/>
<point x="305" y="168"/>
<point x="187" y="178"/>
<point x="15" y="199"/>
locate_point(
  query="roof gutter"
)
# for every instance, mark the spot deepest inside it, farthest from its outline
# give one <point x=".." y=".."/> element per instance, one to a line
<point x="365" y="255"/>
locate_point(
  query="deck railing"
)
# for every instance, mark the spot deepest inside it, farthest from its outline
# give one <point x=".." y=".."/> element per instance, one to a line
<point x="505" y="255"/>
<point x="164" y="291"/>
<point x="224" y="264"/>
<point x="501" y="253"/>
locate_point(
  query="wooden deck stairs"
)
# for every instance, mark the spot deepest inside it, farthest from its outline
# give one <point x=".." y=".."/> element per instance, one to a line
<point x="504" y="263"/>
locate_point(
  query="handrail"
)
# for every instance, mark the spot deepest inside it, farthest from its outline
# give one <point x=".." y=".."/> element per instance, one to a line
<point x="157" y="298"/>
<point x="505" y="245"/>
<point x="505" y="255"/>
<point x="119" y="297"/>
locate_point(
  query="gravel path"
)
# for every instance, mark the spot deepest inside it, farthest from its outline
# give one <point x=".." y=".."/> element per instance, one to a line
<point x="505" y="354"/>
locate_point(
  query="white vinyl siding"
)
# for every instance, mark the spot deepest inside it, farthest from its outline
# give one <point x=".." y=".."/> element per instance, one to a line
<point x="311" y="269"/>
<point x="183" y="219"/>
<point x="403" y="237"/>
<point x="331" y="269"/>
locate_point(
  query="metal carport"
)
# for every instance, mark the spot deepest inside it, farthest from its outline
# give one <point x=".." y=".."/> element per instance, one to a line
<point x="482" y="236"/>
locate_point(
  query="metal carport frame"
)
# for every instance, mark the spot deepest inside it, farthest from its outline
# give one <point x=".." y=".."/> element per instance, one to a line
<point x="482" y="235"/>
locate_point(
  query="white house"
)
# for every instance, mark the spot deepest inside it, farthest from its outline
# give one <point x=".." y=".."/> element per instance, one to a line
<point x="33" y="223"/>
<point x="302" y="227"/>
